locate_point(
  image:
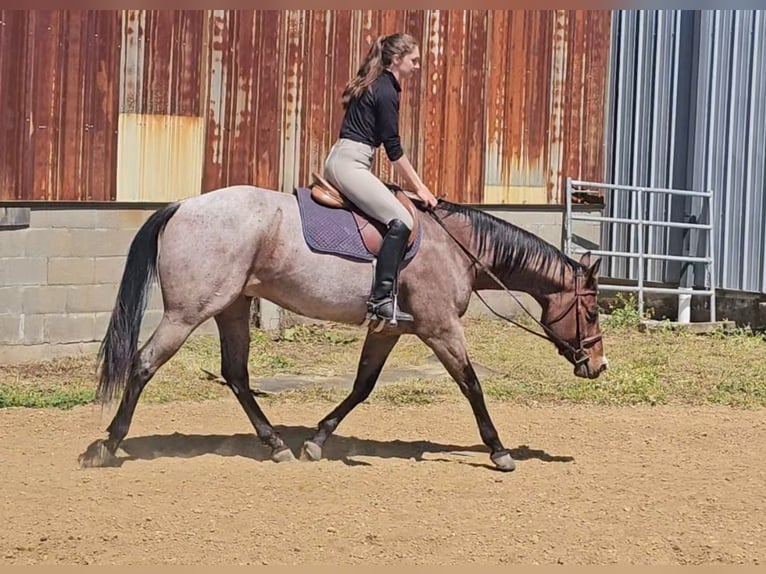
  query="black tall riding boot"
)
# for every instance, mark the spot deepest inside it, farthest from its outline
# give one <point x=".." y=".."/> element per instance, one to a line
<point x="382" y="304"/>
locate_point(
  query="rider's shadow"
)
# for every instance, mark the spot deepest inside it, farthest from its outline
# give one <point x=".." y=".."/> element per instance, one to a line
<point x="338" y="448"/>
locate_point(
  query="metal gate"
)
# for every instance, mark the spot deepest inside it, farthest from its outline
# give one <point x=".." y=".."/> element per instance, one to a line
<point x="640" y="251"/>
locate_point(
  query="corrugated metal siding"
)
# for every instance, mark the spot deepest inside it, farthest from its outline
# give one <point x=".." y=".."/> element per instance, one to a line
<point x="476" y="120"/>
<point x="161" y="157"/>
<point x="162" y="136"/>
<point x="689" y="113"/>
<point x="161" y="62"/>
<point x="58" y="98"/>
<point x="506" y="104"/>
<point x="245" y="101"/>
<point x="275" y="79"/>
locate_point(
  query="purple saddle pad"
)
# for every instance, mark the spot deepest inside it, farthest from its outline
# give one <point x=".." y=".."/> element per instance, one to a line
<point x="333" y="230"/>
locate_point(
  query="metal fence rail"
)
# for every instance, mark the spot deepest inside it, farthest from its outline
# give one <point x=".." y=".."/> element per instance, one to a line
<point x="643" y="223"/>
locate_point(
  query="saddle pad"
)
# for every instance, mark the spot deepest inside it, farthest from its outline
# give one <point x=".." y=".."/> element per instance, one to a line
<point x="333" y="230"/>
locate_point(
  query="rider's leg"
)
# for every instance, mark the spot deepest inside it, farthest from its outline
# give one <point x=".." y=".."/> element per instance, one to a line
<point x="348" y="168"/>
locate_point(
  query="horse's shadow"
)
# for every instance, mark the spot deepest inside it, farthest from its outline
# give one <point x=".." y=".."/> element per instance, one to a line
<point x="338" y="448"/>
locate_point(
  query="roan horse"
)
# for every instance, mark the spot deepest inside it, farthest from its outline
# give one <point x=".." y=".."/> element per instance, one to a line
<point x="214" y="252"/>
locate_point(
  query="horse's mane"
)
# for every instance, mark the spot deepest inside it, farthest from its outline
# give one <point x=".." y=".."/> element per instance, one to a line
<point x="510" y="247"/>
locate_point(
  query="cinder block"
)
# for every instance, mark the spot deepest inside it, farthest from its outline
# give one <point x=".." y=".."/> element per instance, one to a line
<point x="44" y="299"/>
<point x="123" y="218"/>
<point x="12" y="242"/>
<point x="149" y="324"/>
<point x="101" y="242"/>
<point x="70" y="270"/>
<point x="155" y="298"/>
<point x="11" y="299"/>
<point x="23" y="271"/>
<point x="70" y="328"/>
<point x="91" y="298"/>
<point x="19" y="354"/>
<point x="102" y="323"/>
<point x="33" y="329"/>
<point x="10" y="329"/>
<point x="64" y="218"/>
<point x="108" y="269"/>
<point x="48" y="243"/>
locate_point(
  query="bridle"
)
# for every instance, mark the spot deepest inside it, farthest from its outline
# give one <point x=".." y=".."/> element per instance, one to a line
<point x="579" y="355"/>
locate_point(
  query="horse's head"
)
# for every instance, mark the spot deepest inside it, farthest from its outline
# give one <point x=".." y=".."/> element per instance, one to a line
<point x="571" y="316"/>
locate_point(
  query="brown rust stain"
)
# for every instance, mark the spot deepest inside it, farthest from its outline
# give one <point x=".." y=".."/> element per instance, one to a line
<point x="587" y="61"/>
<point x="170" y="70"/>
<point x="478" y="113"/>
<point x="14" y="114"/>
<point x="431" y="108"/>
<point x="59" y="104"/>
<point x="475" y="124"/>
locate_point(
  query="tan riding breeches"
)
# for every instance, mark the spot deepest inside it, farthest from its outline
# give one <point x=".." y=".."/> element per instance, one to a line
<point x="347" y="167"/>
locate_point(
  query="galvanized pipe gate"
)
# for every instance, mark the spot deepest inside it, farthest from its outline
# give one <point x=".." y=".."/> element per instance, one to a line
<point x="642" y="222"/>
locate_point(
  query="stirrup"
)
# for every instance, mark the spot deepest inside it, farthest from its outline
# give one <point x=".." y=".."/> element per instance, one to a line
<point x="373" y="309"/>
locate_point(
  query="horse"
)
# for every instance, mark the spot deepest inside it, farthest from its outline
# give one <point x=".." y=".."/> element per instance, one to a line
<point x="212" y="253"/>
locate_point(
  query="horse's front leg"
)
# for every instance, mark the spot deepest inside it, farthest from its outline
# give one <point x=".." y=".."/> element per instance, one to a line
<point x="450" y="347"/>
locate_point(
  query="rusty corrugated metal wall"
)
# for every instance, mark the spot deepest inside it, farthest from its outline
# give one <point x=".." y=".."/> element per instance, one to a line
<point x="506" y="104"/>
<point x="58" y="104"/>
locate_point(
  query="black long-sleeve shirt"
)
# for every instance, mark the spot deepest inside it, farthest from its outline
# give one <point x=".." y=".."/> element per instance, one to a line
<point x="373" y="117"/>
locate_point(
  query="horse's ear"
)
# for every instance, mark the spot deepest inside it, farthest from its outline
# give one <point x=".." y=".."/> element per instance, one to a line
<point x="591" y="275"/>
<point x="585" y="259"/>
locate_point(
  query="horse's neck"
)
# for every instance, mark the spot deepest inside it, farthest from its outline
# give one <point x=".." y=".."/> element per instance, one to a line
<point x="534" y="279"/>
<point x="536" y="282"/>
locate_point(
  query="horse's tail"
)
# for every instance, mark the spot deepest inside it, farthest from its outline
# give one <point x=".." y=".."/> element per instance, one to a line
<point x="117" y="353"/>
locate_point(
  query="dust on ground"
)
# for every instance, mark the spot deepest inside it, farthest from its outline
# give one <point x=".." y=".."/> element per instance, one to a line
<point x="401" y="484"/>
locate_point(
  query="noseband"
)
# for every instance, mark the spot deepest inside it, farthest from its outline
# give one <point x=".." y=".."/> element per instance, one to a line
<point x="579" y="355"/>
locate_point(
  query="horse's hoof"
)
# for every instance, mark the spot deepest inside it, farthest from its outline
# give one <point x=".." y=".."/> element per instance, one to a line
<point x="97" y="455"/>
<point x="311" y="451"/>
<point x="283" y="454"/>
<point x="503" y="461"/>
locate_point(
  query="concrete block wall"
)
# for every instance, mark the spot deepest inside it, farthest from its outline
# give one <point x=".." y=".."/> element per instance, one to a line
<point x="59" y="277"/>
<point x="60" y="270"/>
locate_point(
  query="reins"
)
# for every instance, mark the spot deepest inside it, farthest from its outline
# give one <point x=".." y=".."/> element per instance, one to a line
<point x="578" y="354"/>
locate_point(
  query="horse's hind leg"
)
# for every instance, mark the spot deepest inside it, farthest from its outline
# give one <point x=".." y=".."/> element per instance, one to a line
<point x="161" y="346"/>
<point x="234" y="330"/>
<point x="377" y="347"/>
<point x="450" y="347"/>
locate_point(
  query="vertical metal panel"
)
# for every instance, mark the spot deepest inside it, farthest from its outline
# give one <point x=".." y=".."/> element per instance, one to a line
<point x="546" y="105"/>
<point x="731" y="48"/>
<point x="587" y="60"/>
<point x="14" y="118"/>
<point x="245" y="99"/>
<point x="161" y="145"/>
<point x="161" y="62"/>
<point x="59" y="104"/>
<point x="723" y="149"/>
<point x="161" y="157"/>
<point x="520" y="120"/>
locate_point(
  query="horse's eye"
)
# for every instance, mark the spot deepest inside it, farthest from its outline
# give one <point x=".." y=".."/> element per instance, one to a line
<point x="592" y="314"/>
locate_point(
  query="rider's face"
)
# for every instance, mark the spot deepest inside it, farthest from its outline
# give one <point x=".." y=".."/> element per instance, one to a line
<point x="407" y="64"/>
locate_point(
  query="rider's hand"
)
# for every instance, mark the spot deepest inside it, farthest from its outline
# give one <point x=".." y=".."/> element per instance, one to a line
<point x="425" y="194"/>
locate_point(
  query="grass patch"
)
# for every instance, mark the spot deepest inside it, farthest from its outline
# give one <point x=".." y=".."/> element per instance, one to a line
<point x="42" y="399"/>
<point x="665" y="367"/>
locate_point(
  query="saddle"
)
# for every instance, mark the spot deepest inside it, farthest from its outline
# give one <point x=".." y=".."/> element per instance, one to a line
<point x="371" y="231"/>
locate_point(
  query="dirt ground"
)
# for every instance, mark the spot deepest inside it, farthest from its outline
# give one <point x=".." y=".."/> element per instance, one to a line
<point x="410" y="484"/>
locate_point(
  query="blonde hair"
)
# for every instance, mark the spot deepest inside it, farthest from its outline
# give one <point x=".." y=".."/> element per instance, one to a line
<point x="379" y="58"/>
